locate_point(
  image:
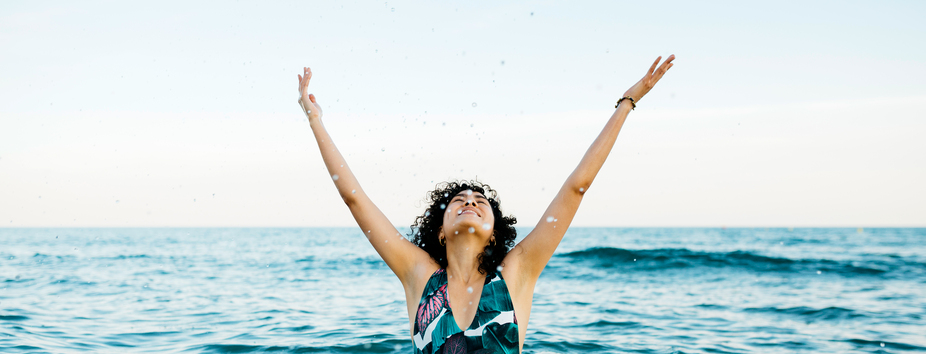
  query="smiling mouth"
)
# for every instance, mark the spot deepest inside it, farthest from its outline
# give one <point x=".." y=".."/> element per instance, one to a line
<point x="468" y="211"/>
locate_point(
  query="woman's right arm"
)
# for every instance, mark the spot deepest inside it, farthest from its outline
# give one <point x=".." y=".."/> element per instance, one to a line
<point x="400" y="255"/>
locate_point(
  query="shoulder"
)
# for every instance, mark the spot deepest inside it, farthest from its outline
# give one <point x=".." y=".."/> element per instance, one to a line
<point x="512" y="270"/>
<point x="420" y="276"/>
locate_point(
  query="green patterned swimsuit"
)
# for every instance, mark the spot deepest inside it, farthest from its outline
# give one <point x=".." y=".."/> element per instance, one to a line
<point x="494" y="329"/>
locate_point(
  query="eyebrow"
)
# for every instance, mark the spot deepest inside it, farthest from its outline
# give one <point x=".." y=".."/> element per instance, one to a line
<point x="463" y="194"/>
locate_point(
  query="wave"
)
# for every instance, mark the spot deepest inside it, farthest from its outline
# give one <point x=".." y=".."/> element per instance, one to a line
<point x="382" y="346"/>
<point x="861" y="343"/>
<point x="675" y="258"/>
<point x="809" y="314"/>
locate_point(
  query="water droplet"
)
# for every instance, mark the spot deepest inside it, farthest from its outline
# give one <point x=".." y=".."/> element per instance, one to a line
<point x="819" y="272"/>
<point x="549" y="219"/>
<point x="353" y="191"/>
<point x="470" y="302"/>
<point x="469" y="289"/>
<point x="387" y="241"/>
<point x="503" y="62"/>
<point x="393" y="9"/>
<point x="446" y="195"/>
<point x="634" y="259"/>
<point x="486" y="226"/>
<point x="882" y="345"/>
<point x="383" y="149"/>
<point x="342" y="165"/>
<point x="474" y="104"/>
<point x="335" y="177"/>
<point x="499" y="268"/>
<point x="469" y="192"/>
<point x="368" y="231"/>
<point x="367" y="345"/>
<point x="472" y="229"/>
<point x="456" y="232"/>
<point x="427" y="213"/>
<point x="443" y="206"/>
<point x="581" y="189"/>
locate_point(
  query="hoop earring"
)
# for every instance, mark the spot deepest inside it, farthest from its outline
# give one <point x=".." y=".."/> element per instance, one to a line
<point x="492" y="243"/>
<point x="442" y="242"/>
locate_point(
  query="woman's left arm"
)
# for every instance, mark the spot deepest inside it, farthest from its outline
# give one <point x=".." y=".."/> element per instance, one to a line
<point x="535" y="250"/>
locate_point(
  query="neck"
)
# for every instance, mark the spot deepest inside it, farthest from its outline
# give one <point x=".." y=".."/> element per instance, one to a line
<point x="462" y="260"/>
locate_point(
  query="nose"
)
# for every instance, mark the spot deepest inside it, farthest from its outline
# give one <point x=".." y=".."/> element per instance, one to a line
<point x="470" y="202"/>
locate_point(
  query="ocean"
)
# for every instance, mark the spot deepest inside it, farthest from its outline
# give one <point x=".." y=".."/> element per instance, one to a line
<point x="606" y="290"/>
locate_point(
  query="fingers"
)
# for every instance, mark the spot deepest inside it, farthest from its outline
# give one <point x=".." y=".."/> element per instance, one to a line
<point x="664" y="67"/>
<point x="312" y="98"/>
<point x="653" y="67"/>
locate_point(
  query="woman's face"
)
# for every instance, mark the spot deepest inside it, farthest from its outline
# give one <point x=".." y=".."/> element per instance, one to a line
<point x="469" y="212"/>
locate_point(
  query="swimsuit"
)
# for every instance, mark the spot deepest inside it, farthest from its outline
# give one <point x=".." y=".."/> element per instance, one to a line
<point x="494" y="328"/>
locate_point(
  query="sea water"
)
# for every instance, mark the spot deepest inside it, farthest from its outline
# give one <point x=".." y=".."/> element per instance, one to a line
<point x="606" y="290"/>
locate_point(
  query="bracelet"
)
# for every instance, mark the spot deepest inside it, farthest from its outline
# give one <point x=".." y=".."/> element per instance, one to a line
<point x="633" y="105"/>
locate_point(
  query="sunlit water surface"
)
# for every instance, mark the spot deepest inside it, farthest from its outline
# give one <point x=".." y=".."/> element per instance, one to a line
<point x="325" y="290"/>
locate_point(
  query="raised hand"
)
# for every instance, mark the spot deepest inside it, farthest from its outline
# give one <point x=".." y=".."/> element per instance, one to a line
<point x="638" y="90"/>
<point x="306" y="100"/>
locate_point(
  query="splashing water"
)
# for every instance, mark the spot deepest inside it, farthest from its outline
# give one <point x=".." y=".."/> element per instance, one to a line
<point x="469" y="289"/>
<point x="549" y="219"/>
<point x="472" y="230"/>
<point x="335" y="177"/>
<point x="486" y="226"/>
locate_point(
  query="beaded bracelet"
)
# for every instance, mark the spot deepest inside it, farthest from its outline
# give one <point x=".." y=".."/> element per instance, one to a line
<point x="633" y="105"/>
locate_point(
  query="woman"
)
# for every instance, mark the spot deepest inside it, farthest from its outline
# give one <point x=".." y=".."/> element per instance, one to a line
<point x="460" y="271"/>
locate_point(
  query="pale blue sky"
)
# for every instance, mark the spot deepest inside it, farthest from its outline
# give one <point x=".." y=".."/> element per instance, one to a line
<point x="776" y="113"/>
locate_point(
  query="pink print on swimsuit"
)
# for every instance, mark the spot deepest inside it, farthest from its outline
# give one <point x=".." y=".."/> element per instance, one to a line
<point x="456" y="344"/>
<point x="431" y="308"/>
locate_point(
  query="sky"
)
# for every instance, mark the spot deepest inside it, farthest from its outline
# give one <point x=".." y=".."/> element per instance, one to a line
<point x="184" y="114"/>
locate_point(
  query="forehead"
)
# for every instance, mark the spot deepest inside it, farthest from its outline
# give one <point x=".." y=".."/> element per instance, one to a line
<point x="467" y="192"/>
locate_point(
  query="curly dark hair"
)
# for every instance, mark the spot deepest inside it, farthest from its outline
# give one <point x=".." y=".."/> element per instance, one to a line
<point x="426" y="229"/>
